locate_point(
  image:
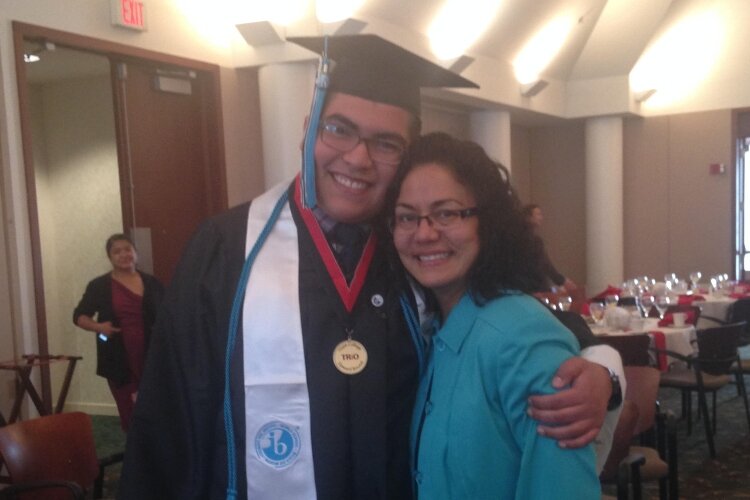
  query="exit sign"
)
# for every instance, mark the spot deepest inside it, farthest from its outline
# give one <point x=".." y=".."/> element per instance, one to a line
<point x="128" y="14"/>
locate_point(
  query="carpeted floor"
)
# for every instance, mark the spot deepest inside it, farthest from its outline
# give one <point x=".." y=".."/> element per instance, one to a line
<point x="727" y="477"/>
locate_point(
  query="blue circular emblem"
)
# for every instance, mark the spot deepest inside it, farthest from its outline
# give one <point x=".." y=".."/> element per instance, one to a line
<point x="277" y="444"/>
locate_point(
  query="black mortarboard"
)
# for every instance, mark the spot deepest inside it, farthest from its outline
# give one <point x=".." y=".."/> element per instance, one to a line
<point x="370" y="67"/>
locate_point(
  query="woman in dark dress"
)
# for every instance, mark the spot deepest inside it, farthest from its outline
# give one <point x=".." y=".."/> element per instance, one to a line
<point x="122" y="302"/>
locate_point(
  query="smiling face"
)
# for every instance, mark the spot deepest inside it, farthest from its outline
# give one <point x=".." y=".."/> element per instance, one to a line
<point x="122" y="256"/>
<point x="439" y="258"/>
<point x="350" y="186"/>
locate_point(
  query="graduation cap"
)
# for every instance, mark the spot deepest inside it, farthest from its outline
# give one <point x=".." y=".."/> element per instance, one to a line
<point x="372" y="68"/>
<point x="375" y="69"/>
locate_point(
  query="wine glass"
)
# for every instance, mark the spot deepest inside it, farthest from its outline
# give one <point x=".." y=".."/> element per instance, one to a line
<point x="564" y="302"/>
<point x="695" y="278"/>
<point x="662" y="303"/>
<point x="670" y="278"/>
<point x="647" y="302"/>
<point x="596" y="309"/>
<point x="611" y="300"/>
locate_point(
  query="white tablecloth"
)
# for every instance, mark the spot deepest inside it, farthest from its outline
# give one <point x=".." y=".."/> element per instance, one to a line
<point x="715" y="306"/>
<point x="677" y="339"/>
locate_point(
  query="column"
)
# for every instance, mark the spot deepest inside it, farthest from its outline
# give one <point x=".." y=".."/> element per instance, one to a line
<point x="285" y="96"/>
<point x="491" y="130"/>
<point x="604" y="209"/>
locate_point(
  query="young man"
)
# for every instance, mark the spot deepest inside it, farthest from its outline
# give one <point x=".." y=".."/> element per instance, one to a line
<point x="323" y="374"/>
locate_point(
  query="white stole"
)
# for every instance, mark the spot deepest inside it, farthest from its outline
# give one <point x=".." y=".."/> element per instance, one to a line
<point x="278" y="451"/>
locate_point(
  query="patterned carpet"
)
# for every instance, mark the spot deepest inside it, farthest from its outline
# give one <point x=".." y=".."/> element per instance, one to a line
<point x="727" y="477"/>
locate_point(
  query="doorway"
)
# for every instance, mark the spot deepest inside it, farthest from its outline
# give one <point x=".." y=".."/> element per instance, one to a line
<point x="116" y="139"/>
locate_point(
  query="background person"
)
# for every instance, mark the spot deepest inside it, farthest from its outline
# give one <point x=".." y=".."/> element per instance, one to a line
<point x="459" y="231"/>
<point x="122" y="302"/>
<point x="551" y="276"/>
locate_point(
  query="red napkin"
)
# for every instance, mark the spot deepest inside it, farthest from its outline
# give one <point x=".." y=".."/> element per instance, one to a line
<point x="611" y="290"/>
<point x="585" y="309"/>
<point x="686" y="300"/>
<point x="669" y="321"/>
<point x="660" y="342"/>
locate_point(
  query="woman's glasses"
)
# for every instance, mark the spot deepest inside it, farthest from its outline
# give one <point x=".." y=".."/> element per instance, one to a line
<point x="439" y="219"/>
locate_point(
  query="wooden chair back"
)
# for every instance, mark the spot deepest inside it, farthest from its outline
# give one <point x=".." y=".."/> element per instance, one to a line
<point x="633" y="349"/>
<point x="57" y="447"/>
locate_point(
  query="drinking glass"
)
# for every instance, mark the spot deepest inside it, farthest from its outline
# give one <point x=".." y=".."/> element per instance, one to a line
<point x="662" y="303"/>
<point x="647" y="302"/>
<point x="695" y="278"/>
<point x="596" y="309"/>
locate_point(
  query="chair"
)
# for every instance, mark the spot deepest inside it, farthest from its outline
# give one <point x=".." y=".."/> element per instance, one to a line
<point x="656" y="431"/>
<point x="708" y="370"/>
<point x="620" y="462"/>
<point x="45" y="453"/>
<point x="655" y="457"/>
<point x="633" y="349"/>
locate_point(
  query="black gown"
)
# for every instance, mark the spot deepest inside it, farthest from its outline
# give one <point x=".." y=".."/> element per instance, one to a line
<point x="359" y="424"/>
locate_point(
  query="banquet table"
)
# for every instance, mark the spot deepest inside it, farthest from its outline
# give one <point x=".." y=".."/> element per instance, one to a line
<point x="676" y="339"/>
<point x="715" y="306"/>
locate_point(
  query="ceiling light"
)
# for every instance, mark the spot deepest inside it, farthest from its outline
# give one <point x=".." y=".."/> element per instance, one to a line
<point x="539" y="52"/>
<point x="459" y="24"/>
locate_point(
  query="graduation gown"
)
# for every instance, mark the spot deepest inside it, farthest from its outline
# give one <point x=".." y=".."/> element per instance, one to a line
<point x="359" y="424"/>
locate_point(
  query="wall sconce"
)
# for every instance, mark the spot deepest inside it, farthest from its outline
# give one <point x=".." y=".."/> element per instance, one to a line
<point x="533" y="88"/>
<point x="643" y="95"/>
<point x="458" y="64"/>
<point x="262" y="33"/>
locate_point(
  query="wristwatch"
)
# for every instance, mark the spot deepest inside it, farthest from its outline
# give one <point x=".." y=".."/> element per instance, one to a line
<point x="615" y="400"/>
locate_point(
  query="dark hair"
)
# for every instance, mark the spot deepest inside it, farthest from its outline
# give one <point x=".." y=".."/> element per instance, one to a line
<point x="508" y="256"/>
<point x="118" y="237"/>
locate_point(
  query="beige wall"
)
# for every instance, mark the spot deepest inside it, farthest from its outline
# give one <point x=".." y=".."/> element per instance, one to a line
<point x="521" y="161"/>
<point x="678" y="217"/>
<point x="78" y="198"/>
<point x="242" y="134"/>
<point x="557" y="184"/>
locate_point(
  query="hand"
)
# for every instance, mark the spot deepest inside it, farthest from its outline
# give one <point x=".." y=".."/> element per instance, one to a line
<point x="570" y="285"/>
<point x="574" y="415"/>
<point x="107" y="329"/>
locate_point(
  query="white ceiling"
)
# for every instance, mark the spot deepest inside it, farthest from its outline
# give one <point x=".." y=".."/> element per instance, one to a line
<point x="591" y="68"/>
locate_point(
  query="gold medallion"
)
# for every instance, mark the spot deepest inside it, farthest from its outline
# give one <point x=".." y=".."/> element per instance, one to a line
<point x="350" y="357"/>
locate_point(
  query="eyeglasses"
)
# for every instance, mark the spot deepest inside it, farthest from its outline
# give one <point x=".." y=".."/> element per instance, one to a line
<point x="344" y="138"/>
<point x="440" y="219"/>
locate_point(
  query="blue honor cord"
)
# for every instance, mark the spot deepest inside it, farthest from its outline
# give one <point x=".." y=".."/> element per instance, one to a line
<point x="234" y="319"/>
<point x="309" y="196"/>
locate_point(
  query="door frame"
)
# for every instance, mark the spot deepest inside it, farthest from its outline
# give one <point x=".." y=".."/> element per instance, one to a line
<point x="111" y="50"/>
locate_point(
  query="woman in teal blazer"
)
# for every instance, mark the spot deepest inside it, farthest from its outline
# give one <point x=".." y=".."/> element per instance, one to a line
<point x="459" y="231"/>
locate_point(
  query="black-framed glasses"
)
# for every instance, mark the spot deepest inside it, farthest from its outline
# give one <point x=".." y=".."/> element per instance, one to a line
<point x="442" y="219"/>
<point x="344" y="138"/>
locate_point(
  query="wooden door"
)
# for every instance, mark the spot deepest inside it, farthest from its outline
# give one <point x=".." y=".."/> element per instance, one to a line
<point x="170" y="171"/>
